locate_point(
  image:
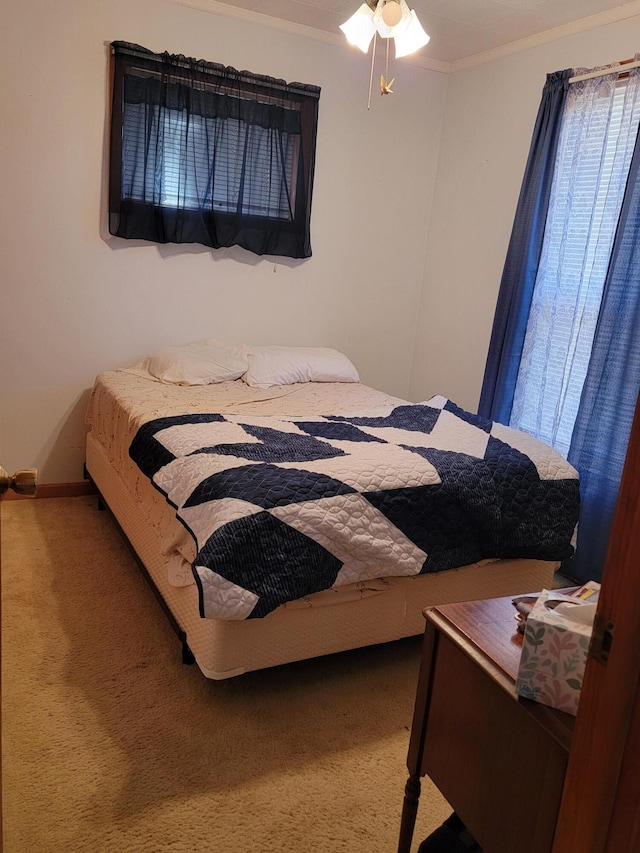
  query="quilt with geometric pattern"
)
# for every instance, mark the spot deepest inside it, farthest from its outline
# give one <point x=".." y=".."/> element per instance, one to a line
<point x="282" y="507"/>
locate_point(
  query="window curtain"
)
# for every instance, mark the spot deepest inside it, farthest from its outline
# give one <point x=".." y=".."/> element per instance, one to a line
<point x="606" y="261"/>
<point x="611" y="388"/>
<point x="523" y="255"/>
<point x="592" y="162"/>
<point x="202" y="153"/>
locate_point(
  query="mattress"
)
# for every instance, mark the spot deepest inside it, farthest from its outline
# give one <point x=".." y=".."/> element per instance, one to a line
<point x="362" y="614"/>
<point x="123" y="400"/>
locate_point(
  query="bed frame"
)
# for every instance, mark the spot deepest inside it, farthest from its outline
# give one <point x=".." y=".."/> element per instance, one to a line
<point x="226" y="648"/>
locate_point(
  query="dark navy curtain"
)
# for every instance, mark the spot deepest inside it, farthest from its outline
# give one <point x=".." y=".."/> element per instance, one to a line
<point x="523" y="255"/>
<point x="203" y="153"/>
<point x="608" y="401"/>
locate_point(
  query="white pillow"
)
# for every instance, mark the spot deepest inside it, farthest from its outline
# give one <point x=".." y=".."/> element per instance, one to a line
<point x="196" y="364"/>
<point x="285" y="365"/>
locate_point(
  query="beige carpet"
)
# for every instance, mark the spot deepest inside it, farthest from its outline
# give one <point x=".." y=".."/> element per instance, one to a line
<point x="111" y="744"/>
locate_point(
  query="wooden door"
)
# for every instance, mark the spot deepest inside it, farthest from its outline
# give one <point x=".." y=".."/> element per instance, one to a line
<point x="599" y="811"/>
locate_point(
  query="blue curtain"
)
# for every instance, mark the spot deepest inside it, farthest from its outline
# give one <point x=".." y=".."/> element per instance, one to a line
<point x="523" y="255"/>
<point x="203" y="153"/>
<point x="593" y="158"/>
<point x="608" y="401"/>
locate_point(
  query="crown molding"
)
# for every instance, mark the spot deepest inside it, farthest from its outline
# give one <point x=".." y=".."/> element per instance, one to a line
<point x="336" y="39"/>
<point x="592" y="22"/>
<point x="601" y="19"/>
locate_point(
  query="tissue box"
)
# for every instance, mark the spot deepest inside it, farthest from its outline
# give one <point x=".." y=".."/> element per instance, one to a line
<point x="554" y="650"/>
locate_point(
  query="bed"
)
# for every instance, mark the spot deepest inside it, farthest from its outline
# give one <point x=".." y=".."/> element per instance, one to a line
<point x="176" y="463"/>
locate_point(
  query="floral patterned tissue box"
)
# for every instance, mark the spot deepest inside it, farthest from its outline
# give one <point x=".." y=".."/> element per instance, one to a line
<point x="554" y="650"/>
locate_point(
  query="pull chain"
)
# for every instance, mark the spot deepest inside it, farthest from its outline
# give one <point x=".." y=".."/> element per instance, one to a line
<point x="373" y="56"/>
<point x="386" y="70"/>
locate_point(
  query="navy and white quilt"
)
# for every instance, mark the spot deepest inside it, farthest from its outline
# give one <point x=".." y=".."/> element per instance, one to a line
<point x="281" y="507"/>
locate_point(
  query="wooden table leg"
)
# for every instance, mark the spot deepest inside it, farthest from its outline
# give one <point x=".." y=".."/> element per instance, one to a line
<point x="417" y="739"/>
<point x="409" y="813"/>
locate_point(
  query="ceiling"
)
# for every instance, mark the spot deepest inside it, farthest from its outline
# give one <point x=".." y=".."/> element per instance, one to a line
<point x="459" y="29"/>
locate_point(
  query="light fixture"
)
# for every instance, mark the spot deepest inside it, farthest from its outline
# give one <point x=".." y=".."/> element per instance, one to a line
<point x="389" y="19"/>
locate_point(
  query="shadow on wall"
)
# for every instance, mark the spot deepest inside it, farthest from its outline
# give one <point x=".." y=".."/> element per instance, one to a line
<point x="64" y="446"/>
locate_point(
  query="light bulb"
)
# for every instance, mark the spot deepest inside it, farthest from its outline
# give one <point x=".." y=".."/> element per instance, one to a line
<point x="359" y="29"/>
<point x="391" y="13"/>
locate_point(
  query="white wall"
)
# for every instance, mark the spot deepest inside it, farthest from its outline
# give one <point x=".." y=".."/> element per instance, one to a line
<point x="76" y="301"/>
<point x="491" y="110"/>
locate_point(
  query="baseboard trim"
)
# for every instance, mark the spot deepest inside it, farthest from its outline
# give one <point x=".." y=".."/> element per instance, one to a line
<point x="55" y="490"/>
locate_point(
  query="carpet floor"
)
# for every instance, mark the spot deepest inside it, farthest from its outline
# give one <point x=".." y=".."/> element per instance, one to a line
<point x="111" y="745"/>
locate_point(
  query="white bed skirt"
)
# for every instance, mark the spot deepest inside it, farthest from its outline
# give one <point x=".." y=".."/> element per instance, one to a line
<point x="224" y="648"/>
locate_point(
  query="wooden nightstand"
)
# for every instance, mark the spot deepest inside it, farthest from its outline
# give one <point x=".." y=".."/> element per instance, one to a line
<point x="499" y="760"/>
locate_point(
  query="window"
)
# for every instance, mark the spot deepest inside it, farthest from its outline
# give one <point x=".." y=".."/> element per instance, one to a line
<point x="596" y="144"/>
<point x="202" y="163"/>
<point x="203" y="153"/>
<point x="571" y="284"/>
